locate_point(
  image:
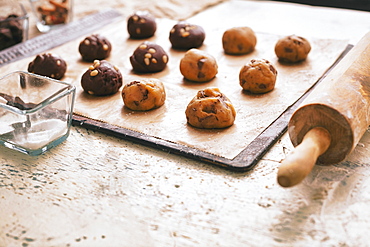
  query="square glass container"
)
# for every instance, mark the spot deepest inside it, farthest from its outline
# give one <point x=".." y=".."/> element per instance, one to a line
<point x="52" y="13"/>
<point x="13" y="23"/>
<point x="35" y="112"/>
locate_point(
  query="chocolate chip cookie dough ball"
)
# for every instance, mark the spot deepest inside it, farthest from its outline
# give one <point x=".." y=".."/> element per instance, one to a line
<point x="149" y="57"/>
<point x="144" y="95"/>
<point x="141" y="25"/>
<point x="239" y="40"/>
<point x="185" y="36"/>
<point x="292" y="49"/>
<point x="102" y="78"/>
<point x="210" y="109"/>
<point x="48" y="64"/>
<point x="258" y="76"/>
<point x="198" y="66"/>
<point x="95" y="47"/>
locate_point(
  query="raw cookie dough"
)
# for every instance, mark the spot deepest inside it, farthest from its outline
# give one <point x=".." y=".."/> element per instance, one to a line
<point x="292" y="49"/>
<point x="199" y="66"/>
<point x="184" y="36"/>
<point x="141" y="25"/>
<point x="102" y="78"/>
<point x="258" y="76"/>
<point x="143" y="95"/>
<point x="239" y="40"/>
<point x="210" y="109"/>
<point x="95" y="47"/>
<point x="149" y="57"/>
<point x="48" y="64"/>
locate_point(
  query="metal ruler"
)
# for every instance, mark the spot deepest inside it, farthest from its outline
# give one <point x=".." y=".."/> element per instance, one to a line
<point x="59" y="36"/>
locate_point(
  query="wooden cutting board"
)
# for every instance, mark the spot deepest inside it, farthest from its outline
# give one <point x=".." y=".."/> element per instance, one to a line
<point x="260" y="120"/>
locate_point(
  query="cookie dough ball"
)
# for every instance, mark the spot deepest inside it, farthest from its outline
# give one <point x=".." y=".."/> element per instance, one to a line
<point x="95" y="47"/>
<point x="239" y="40"/>
<point x="49" y="65"/>
<point x="210" y="109"/>
<point x="149" y="57"/>
<point x="199" y="66"/>
<point x="185" y="36"/>
<point x="102" y="78"/>
<point x="144" y="95"/>
<point x="258" y="76"/>
<point x="292" y="49"/>
<point x="141" y="25"/>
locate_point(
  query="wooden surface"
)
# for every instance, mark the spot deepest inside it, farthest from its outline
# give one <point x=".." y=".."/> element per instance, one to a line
<point x="96" y="190"/>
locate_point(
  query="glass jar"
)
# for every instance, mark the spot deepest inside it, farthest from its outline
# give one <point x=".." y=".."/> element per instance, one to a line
<point x="13" y="24"/>
<point x="52" y="13"/>
<point x="35" y="112"/>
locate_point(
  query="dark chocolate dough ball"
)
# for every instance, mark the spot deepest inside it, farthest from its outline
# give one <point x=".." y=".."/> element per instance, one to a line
<point x="102" y="78"/>
<point x="11" y="31"/>
<point x="49" y="65"/>
<point x="95" y="47"/>
<point x="141" y="25"/>
<point x="185" y="36"/>
<point x="149" y="57"/>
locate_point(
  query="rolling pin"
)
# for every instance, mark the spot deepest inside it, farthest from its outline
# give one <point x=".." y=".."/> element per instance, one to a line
<point x="330" y="122"/>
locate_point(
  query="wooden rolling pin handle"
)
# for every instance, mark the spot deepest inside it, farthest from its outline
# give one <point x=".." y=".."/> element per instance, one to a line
<point x="299" y="163"/>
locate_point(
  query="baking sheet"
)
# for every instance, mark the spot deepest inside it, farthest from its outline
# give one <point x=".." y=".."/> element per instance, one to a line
<point x="254" y="112"/>
<point x="243" y="161"/>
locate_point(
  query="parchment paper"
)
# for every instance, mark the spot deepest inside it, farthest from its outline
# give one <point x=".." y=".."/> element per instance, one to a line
<point x="254" y="112"/>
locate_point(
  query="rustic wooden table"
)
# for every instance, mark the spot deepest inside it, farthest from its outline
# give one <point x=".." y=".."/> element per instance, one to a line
<point x="97" y="190"/>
